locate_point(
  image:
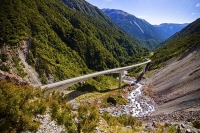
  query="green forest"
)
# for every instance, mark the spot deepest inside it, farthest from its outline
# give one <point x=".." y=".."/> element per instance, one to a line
<point x="65" y="42"/>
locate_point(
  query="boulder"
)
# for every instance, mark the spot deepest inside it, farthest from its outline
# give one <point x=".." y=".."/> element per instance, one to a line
<point x="154" y="124"/>
<point x="182" y="125"/>
<point x="188" y="131"/>
<point x="111" y="100"/>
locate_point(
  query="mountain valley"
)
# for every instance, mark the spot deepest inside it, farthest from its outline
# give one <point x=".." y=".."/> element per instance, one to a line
<point x="140" y="28"/>
<point x="170" y="29"/>
<point x="42" y="42"/>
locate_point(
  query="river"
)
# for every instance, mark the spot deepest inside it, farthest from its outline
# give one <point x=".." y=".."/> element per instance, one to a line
<point x="139" y="105"/>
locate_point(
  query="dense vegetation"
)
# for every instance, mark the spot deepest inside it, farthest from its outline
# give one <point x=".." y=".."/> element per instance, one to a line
<point x="64" y="42"/>
<point x="21" y="104"/>
<point x="87" y="8"/>
<point x="177" y="45"/>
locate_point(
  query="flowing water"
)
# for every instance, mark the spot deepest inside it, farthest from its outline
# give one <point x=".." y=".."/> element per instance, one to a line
<point x="139" y="105"/>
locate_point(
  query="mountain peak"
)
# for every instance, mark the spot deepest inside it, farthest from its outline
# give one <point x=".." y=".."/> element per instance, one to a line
<point x="137" y="27"/>
<point x="116" y="11"/>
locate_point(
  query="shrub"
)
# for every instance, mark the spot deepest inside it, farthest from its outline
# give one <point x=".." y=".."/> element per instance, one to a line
<point x="196" y="124"/>
<point x="4" y="68"/>
<point x="111" y="120"/>
<point x="4" y="57"/>
<point x="172" y="129"/>
<point x="123" y="120"/>
<point x="19" y="106"/>
<point x="127" y="120"/>
<point x="88" y="118"/>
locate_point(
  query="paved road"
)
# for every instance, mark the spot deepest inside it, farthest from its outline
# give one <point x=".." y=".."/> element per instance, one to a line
<point x="72" y="81"/>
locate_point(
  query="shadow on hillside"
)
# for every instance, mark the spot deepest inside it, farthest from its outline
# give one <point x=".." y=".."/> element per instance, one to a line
<point x="140" y="77"/>
<point x="74" y="94"/>
<point x="143" y="72"/>
<point x="87" y="88"/>
<point x="108" y="90"/>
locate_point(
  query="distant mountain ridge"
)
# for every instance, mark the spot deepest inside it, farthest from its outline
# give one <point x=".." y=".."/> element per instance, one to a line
<point x="139" y="28"/>
<point x="170" y="29"/>
<point x="178" y="44"/>
<point x="83" y="6"/>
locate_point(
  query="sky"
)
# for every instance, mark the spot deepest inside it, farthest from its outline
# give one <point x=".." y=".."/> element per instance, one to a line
<point x="155" y="11"/>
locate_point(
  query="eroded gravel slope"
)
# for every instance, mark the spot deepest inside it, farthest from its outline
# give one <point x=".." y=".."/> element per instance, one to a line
<point x="176" y="86"/>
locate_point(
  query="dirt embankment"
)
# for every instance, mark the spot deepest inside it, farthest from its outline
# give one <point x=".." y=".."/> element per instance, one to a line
<point x="176" y="86"/>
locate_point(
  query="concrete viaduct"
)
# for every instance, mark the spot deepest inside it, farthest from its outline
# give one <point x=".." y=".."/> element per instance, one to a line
<point x="61" y="85"/>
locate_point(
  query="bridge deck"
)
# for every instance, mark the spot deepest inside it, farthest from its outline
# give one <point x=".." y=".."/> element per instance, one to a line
<point x="75" y="80"/>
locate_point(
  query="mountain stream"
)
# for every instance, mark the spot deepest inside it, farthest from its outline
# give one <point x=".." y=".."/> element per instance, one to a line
<point x="139" y="105"/>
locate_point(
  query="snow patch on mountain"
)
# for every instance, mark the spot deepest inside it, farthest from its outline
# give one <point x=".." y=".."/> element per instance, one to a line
<point x="139" y="27"/>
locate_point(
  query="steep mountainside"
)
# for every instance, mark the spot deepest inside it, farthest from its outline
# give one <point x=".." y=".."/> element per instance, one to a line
<point x="178" y="44"/>
<point x="135" y="26"/>
<point x="60" y="42"/>
<point x="90" y="10"/>
<point x="169" y="29"/>
<point x="87" y="8"/>
<point x="175" y="84"/>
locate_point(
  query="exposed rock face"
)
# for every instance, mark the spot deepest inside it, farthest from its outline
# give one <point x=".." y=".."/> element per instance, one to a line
<point x="23" y="51"/>
<point x="188" y="131"/>
<point x="12" y="56"/>
<point x="22" y="54"/>
<point x="11" y="77"/>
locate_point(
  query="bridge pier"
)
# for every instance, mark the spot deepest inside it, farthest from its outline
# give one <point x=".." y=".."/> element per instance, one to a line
<point x="120" y="79"/>
<point x="146" y="68"/>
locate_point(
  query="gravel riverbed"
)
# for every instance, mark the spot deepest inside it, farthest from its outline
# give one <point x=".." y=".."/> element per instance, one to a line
<point x="139" y="105"/>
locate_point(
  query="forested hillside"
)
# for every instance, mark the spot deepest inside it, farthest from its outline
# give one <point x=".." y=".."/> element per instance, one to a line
<point x="177" y="45"/>
<point x="62" y="40"/>
<point x="87" y="8"/>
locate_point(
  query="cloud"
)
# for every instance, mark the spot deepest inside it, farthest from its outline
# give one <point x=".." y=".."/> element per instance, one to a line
<point x="198" y="5"/>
